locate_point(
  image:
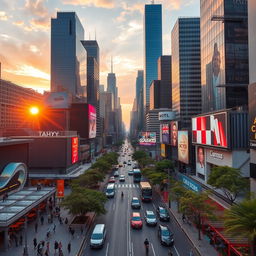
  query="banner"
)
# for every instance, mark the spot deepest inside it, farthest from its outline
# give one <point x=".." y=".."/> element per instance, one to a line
<point x="183" y="147"/>
<point x="165" y="135"/>
<point x="60" y="188"/>
<point x="147" y="139"/>
<point x="163" y="153"/>
<point x="92" y="121"/>
<point x="200" y="160"/>
<point x="174" y="133"/>
<point x="74" y="150"/>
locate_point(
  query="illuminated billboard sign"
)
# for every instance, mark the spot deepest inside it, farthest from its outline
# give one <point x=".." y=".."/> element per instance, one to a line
<point x="163" y="153"/>
<point x="200" y="160"/>
<point x="92" y="121"/>
<point x="183" y="147"/>
<point x="165" y="135"/>
<point x="57" y="100"/>
<point x="210" y="130"/>
<point x="74" y="151"/>
<point x="252" y="115"/>
<point x="147" y="138"/>
<point x="174" y="133"/>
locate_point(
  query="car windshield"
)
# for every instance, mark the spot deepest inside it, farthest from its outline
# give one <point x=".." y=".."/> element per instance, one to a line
<point x="135" y="201"/>
<point x="162" y="210"/>
<point x="151" y="216"/>
<point x="96" y="236"/>
<point x="136" y="218"/>
<point x="109" y="190"/>
<point x="165" y="232"/>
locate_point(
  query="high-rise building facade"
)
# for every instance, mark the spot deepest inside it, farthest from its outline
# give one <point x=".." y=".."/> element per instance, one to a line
<point x="186" y="69"/>
<point x="111" y="87"/>
<point x="139" y="84"/>
<point x="224" y="54"/>
<point x="152" y="45"/>
<point x="68" y="57"/>
<point x="139" y="98"/>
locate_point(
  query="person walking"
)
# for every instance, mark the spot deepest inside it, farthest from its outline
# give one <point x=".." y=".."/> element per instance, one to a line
<point x="36" y="226"/>
<point x="56" y="246"/>
<point x="183" y="217"/>
<point x="60" y="246"/>
<point x="54" y="227"/>
<point x="35" y="243"/>
<point x="66" y="221"/>
<point x="42" y="220"/>
<point x="72" y="232"/>
<point x="21" y="239"/>
<point x="69" y="247"/>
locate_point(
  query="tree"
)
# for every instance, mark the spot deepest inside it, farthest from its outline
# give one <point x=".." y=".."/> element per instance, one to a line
<point x="157" y="178"/>
<point x="194" y="205"/>
<point x="138" y="155"/>
<point x="229" y="180"/>
<point x="102" y="165"/>
<point x="177" y="191"/>
<point x="240" y="220"/>
<point x="82" y="201"/>
<point x="163" y="165"/>
<point x="110" y="158"/>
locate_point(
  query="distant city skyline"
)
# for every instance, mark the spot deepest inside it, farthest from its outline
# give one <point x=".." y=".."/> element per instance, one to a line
<point x="25" y="38"/>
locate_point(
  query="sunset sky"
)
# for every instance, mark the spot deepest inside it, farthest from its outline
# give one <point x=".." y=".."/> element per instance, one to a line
<point x="25" y="38"/>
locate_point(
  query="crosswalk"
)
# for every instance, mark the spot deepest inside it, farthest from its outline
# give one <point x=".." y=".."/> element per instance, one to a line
<point x="127" y="186"/>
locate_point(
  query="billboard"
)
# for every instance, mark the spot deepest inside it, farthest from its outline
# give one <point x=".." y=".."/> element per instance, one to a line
<point x="60" y="188"/>
<point x="147" y="139"/>
<point x="210" y="130"/>
<point x="57" y="100"/>
<point x="200" y="160"/>
<point x="252" y="115"/>
<point x="174" y="133"/>
<point x="163" y="153"/>
<point x="183" y="147"/>
<point x="74" y="150"/>
<point x="165" y="134"/>
<point x="92" y="121"/>
<point x="166" y="116"/>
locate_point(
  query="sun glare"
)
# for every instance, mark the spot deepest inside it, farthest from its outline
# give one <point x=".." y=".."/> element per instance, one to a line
<point x="34" y="110"/>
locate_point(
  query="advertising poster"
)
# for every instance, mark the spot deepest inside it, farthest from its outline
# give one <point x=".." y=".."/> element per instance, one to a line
<point x="74" y="151"/>
<point x="174" y="133"/>
<point x="60" y="188"/>
<point x="183" y="146"/>
<point x="200" y="160"/>
<point x="57" y="100"/>
<point x="163" y="154"/>
<point x="165" y="133"/>
<point x="252" y="115"/>
<point x="147" y="139"/>
<point x="92" y="121"/>
<point x="210" y="130"/>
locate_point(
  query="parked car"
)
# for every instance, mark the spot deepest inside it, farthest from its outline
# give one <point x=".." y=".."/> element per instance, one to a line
<point x="150" y="218"/>
<point x="165" y="235"/>
<point x="135" y="203"/>
<point x="163" y="214"/>
<point x="136" y="221"/>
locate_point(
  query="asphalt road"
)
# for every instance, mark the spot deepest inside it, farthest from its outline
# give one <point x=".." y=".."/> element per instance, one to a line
<point x="121" y="239"/>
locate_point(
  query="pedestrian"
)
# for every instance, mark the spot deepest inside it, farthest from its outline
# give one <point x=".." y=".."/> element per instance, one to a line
<point x="35" y="243"/>
<point x="39" y="249"/>
<point x="49" y="218"/>
<point x="46" y="253"/>
<point x="42" y="242"/>
<point x="21" y="239"/>
<point x="56" y="246"/>
<point x="16" y="240"/>
<point x="60" y="219"/>
<point x="183" y="217"/>
<point x="69" y="229"/>
<point x="54" y="227"/>
<point x="72" y="232"/>
<point x="42" y="220"/>
<point x="48" y="246"/>
<point x="60" y="246"/>
<point x="81" y="229"/>
<point x="66" y="221"/>
<point x="69" y="247"/>
<point x="36" y="226"/>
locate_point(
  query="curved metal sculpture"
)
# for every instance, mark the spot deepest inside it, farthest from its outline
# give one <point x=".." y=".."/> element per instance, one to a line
<point x="13" y="177"/>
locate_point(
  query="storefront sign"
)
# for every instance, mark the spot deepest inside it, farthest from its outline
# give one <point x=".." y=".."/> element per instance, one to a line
<point x="216" y="155"/>
<point x="49" y="133"/>
<point x="189" y="183"/>
<point x="74" y="150"/>
<point x="60" y="188"/>
<point x="165" y="116"/>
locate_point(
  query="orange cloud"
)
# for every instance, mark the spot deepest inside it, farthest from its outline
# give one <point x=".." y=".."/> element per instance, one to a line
<point x="18" y="23"/>
<point x="97" y="3"/>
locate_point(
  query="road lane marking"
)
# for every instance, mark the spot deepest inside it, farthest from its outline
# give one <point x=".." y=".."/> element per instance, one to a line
<point x="153" y="250"/>
<point x="132" y="249"/>
<point x="130" y="185"/>
<point x="107" y="249"/>
<point x="154" y="206"/>
<point x="176" y="250"/>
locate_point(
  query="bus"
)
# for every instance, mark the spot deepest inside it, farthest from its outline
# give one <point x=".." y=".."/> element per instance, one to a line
<point x="146" y="191"/>
<point x="136" y="175"/>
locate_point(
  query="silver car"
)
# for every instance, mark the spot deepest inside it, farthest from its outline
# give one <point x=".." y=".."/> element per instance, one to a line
<point x="150" y="218"/>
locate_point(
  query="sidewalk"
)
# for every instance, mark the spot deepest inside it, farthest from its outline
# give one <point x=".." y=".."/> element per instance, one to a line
<point x="201" y="247"/>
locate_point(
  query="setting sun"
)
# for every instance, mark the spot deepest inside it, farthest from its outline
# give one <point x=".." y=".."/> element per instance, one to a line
<point x="34" y="110"/>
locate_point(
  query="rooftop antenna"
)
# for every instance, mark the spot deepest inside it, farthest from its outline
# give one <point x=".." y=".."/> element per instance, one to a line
<point x="111" y="64"/>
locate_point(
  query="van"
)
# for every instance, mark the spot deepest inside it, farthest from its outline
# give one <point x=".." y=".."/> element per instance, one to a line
<point x="98" y="236"/>
<point x="110" y="191"/>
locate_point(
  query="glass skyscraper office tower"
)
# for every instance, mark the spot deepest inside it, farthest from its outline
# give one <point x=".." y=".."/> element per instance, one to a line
<point x="152" y="45"/>
<point x="186" y="69"/>
<point x="68" y="56"/>
<point x="224" y="54"/>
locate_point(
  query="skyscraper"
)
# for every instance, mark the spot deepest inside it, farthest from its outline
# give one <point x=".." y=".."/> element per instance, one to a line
<point x="111" y="86"/>
<point x="224" y="54"/>
<point x="152" y="45"/>
<point x="186" y="69"/>
<point x="139" y="99"/>
<point x="139" y="84"/>
<point x="92" y="49"/>
<point x="68" y="57"/>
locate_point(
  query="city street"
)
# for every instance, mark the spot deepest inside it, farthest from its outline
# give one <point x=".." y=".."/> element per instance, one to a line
<point x="121" y="238"/>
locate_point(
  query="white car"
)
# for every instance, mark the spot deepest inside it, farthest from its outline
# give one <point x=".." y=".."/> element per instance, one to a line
<point x="122" y="178"/>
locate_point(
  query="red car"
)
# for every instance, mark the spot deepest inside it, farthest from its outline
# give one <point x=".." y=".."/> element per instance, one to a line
<point x="112" y="179"/>
<point x="136" y="221"/>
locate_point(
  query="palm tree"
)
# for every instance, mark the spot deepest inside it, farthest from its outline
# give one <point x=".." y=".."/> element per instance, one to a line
<point x="241" y="220"/>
